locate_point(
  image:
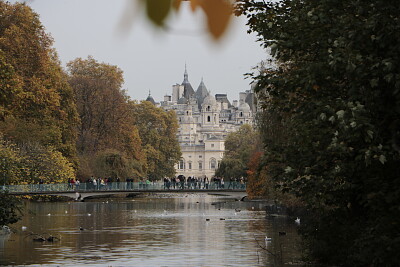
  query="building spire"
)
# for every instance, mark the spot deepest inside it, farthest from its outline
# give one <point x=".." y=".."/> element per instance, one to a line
<point x="185" y="75"/>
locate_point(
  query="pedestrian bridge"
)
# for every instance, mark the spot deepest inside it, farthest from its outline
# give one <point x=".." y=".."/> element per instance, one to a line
<point x="85" y="190"/>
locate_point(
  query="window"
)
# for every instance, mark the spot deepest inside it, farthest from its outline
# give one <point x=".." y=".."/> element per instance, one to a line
<point x="200" y="165"/>
<point x="208" y="118"/>
<point x="189" y="165"/>
<point x="212" y="145"/>
<point x="181" y="164"/>
<point x="213" y="163"/>
<point x="200" y="156"/>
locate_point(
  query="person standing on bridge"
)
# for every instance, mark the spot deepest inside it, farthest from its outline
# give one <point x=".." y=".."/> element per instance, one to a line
<point x="73" y="183"/>
<point x="94" y="181"/>
<point x="41" y="184"/>
<point x="206" y="182"/>
<point x="173" y="182"/>
<point x="77" y="184"/>
<point x="118" y="181"/>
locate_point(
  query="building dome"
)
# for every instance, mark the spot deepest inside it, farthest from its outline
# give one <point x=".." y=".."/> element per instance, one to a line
<point x="150" y="99"/>
<point x="182" y="100"/>
<point x="209" y="101"/>
<point x="244" y="107"/>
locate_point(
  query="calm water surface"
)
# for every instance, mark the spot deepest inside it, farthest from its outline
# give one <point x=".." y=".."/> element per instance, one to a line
<point x="174" y="230"/>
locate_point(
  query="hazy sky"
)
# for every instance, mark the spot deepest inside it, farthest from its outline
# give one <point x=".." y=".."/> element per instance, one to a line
<point x="152" y="59"/>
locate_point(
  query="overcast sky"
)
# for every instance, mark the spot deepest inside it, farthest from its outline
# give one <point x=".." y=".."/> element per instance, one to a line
<point x="150" y="58"/>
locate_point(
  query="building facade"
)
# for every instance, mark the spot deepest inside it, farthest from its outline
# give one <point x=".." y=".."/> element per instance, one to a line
<point x="204" y="122"/>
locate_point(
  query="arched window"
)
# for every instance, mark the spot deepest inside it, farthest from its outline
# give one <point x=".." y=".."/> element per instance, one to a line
<point x="213" y="163"/>
<point x="200" y="165"/>
<point x="189" y="165"/>
<point x="241" y="114"/>
<point x="181" y="164"/>
<point x="208" y="118"/>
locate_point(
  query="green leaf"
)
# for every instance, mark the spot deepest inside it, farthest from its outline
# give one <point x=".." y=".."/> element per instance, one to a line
<point x="158" y="10"/>
<point x="382" y="159"/>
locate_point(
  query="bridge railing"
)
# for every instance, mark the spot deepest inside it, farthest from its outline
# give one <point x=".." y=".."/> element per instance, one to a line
<point x="120" y="186"/>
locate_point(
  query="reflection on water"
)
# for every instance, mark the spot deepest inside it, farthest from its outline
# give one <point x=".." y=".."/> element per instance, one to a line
<point x="178" y="230"/>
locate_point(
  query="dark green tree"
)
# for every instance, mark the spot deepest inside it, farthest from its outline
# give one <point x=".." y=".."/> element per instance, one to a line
<point x="333" y="92"/>
<point x="10" y="209"/>
<point x="240" y="147"/>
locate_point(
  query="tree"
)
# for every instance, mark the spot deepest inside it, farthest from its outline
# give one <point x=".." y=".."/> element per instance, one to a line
<point x="29" y="163"/>
<point x="240" y="146"/>
<point x="106" y="121"/>
<point x="157" y="129"/>
<point x="36" y="102"/>
<point x="334" y="92"/>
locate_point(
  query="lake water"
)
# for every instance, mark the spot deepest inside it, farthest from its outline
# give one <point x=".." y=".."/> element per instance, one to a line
<point x="156" y="230"/>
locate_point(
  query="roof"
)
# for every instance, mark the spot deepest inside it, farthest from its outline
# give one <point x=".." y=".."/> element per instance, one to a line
<point x="182" y="100"/>
<point x="151" y="99"/>
<point x="187" y="87"/>
<point x="209" y="100"/>
<point x="201" y="93"/>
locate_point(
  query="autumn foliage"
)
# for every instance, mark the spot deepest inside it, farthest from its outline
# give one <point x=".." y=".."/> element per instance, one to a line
<point x="57" y="124"/>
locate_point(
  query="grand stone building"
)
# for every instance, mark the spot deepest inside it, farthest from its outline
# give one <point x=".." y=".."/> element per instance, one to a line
<point x="204" y="122"/>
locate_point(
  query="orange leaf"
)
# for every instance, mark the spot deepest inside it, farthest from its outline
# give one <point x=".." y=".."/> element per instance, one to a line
<point x="194" y="4"/>
<point x="219" y="13"/>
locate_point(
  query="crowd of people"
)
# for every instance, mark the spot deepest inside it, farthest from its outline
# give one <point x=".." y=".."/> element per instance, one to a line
<point x="179" y="182"/>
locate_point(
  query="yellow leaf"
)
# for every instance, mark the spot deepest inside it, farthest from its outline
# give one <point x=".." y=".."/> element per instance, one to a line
<point x="219" y="13"/>
<point x="158" y="10"/>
